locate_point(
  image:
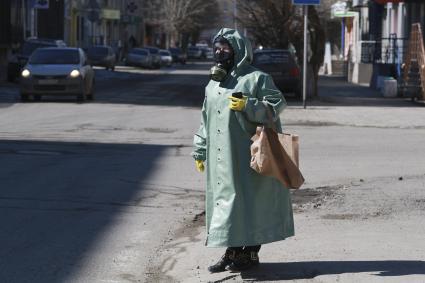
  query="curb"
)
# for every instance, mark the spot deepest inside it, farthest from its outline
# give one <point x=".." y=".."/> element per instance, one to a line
<point x="419" y="102"/>
<point x="363" y="101"/>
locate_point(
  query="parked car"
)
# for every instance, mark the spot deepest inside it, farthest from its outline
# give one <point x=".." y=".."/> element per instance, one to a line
<point x="209" y="53"/>
<point x="166" y="58"/>
<point x="204" y="49"/>
<point x="57" y="71"/>
<point x="156" y="57"/>
<point x="140" y="57"/>
<point x="103" y="56"/>
<point x="194" y="52"/>
<point x="178" y="55"/>
<point x="18" y="60"/>
<point x="282" y="66"/>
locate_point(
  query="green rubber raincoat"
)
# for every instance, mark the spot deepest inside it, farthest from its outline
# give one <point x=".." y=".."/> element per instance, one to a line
<point x="243" y="208"/>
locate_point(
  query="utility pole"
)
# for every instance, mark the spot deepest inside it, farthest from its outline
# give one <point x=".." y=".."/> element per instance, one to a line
<point x="305" y="57"/>
<point x="305" y="4"/>
<point x="235" y="13"/>
<point x="93" y="11"/>
<point x="32" y="21"/>
<point x="24" y="20"/>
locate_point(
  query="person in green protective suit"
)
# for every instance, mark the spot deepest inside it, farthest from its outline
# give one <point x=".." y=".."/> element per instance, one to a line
<point x="243" y="208"/>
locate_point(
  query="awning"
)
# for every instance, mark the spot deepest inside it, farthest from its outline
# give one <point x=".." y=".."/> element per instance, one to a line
<point x="347" y="14"/>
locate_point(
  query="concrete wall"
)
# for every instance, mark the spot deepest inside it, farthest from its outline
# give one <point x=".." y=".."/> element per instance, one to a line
<point x="360" y="73"/>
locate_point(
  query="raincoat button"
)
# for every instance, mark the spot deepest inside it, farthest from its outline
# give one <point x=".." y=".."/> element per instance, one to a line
<point x="218" y="111"/>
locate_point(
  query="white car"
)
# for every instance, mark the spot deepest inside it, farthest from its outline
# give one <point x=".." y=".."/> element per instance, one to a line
<point x="209" y="53"/>
<point x="140" y="57"/>
<point x="166" y="58"/>
<point x="57" y="71"/>
<point x="194" y="52"/>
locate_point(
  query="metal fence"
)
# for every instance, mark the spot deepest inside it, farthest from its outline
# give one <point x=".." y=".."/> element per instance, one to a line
<point x="389" y="50"/>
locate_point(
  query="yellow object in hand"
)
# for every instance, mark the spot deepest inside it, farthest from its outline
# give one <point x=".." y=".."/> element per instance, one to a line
<point x="237" y="104"/>
<point x="200" y="165"/>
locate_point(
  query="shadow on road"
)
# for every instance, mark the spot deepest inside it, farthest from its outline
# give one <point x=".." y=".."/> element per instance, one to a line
<point x="311" y="269"/>
<point x="58" y="200"/>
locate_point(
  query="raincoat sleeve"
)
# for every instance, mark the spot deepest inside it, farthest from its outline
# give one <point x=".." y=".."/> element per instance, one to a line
<point x="266" y="94"/>
<point x="200" y="138"/>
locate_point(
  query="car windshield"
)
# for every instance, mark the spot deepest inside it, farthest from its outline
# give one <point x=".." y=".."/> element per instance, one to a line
<point x="153" y="50"/>
<point x="55" y="57"/>
<point x="139" y="52"/>
<point x="93" y="51"/>
<point x="175" y="50"/>
<point x="271" y="57"/>
<point x="164" y="53"/>
<point x="29" y="47"/>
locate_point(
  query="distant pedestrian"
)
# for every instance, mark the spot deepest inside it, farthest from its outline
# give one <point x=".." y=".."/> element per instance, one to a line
<point x="118" y="51"/>
<point x="132" y="42"/>
<point x="243" y="209"/>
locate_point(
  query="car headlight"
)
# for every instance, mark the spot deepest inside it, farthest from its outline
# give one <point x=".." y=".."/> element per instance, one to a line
<point x="75" y="74"/>
<point x="25" y="73"/>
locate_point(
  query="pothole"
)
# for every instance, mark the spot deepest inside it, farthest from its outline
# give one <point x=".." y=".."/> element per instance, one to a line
<point x="160" y="130"/>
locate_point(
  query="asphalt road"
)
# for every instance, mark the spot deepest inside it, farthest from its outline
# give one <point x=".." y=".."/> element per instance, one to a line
<point x="106" y="191"/>
<point x="89" y="191"/>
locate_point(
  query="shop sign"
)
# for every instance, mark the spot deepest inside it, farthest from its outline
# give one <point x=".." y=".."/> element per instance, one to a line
<point x="110" y="14"/>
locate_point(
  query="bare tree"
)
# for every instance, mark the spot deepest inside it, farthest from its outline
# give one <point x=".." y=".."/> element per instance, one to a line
<point x="179" y="17"/>
<point x="268" y="21"/>
<point x="276" y="23"/>
<point x="317" y="40"/>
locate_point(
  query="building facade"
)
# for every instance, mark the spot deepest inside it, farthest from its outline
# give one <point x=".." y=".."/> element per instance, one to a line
<point x="22" y="19"/>
<point x="379" y="35"/>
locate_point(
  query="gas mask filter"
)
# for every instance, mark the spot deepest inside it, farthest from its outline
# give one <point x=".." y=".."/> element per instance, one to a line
<point x="218" y="72"/>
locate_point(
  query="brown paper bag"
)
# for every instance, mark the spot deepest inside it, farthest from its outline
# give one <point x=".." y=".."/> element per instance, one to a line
<point x="270" y="157"/>
<point x="290" y="143"/>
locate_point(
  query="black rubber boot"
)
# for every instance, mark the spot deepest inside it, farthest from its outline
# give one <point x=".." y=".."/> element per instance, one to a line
<point x="225" y="260"/>
<point x="244" y="261"/>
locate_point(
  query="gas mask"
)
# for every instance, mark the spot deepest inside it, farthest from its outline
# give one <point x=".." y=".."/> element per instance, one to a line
<point x="224" y="59"/>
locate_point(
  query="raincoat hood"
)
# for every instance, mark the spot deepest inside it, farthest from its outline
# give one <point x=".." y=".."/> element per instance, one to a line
<point x="241" y="47"/>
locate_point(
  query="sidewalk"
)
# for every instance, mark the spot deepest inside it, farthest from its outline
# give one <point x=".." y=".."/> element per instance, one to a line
<point x="334" y="89"/>
<point x="358" y="216"/>
<point x="334" y="86"/>
<point x="344" y="104"/>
